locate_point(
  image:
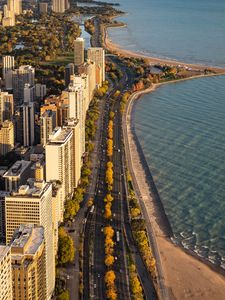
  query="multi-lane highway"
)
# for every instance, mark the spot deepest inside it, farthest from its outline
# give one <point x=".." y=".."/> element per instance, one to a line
<point x="93" y="223"/>
<point x="94" y="238"/>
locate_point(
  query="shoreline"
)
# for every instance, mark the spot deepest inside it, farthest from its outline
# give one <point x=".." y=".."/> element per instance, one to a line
<point x="173" y="281"/>
<point x="118" y="50"/>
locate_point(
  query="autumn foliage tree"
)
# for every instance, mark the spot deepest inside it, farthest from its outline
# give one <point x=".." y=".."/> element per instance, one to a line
<point x="109" y="147"/>
<point x="110" y="278"/>
<point x="109" y="260"/>
<point x="111" y="293"/>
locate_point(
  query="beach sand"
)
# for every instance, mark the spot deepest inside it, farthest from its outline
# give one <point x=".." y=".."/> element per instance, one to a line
<point x="116" y="49"/>
<point x="183" y="276"/>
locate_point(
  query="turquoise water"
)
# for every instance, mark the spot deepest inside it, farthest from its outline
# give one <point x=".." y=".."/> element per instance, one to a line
<point x="181" y="129"/>
<point x="181" y="126"/>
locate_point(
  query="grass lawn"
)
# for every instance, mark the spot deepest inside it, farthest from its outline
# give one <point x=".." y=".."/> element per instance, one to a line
<point x="61" y="60"/>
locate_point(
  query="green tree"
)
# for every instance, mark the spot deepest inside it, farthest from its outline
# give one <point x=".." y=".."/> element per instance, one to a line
<point x="66" y="249"/>
<point x="63" y="296"/>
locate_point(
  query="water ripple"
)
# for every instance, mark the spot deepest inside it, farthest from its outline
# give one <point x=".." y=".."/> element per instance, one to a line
<point x="181" y="128"/>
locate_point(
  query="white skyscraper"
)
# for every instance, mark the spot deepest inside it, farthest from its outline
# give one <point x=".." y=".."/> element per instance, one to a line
<point x="32" y="204"/>
<point x="77" y="108"/>
<point x="78" y="51"/>
<point x="77" y="151"/>
<point x="8" y="64"/>
<point x="59" y="160"/>
<point x="58" y="6"/>
<point x="15" y="6"/>
<point x="97" y="55"/>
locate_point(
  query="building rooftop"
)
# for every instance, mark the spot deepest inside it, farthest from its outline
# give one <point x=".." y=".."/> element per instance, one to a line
<point x="34" y="189"/>
<point x="60" y="135"/>
<point x="17" y="169"/>
<point x="27" y="239"/>
<point x="4" y="194"/>
<point x="79" y="39"/>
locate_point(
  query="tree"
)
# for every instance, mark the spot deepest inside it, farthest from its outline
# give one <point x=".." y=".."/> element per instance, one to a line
<point x="109" y="260"/>
<point x="111" y="293"/>
<point x="109" y="231"/>
<point x="85" y="171"/>
<point x="135" y="212"/>
<point x="66" y="249"/>
<point x="108" y="198"/>
<point x="109" y="250"/>
<point x="63" y="296"/>
<point x="110" y="278"/>
<point x="136" y="285"/>
<point x="70" y="209"/>
<point x="111" y="115"/>
<point x="90" y="202"/>
<point x="108" y="213"/>
<point x="109" y="176"/>
<point x="109" y="164"/>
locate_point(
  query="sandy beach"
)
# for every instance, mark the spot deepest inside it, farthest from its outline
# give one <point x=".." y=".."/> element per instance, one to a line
<point x="182" y="275"/>
<point x="116" y="49"/>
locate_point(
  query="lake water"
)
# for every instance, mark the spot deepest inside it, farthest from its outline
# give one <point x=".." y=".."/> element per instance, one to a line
<point x="181" y="126"/>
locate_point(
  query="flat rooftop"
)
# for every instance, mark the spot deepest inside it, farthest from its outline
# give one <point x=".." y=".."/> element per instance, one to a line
<point x="35" y="189"/>
<point x="27" y="237"/>
<point x="17" y="169"/>
<point x="59" y="135"/>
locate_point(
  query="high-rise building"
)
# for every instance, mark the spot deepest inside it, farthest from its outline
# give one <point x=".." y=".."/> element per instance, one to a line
<point x="69" y="71"/>
<point x="48" y="123"/>
<point x="77" y="151"/>
<point x="5" y="273"/>
<point x="32" y="204"/>
<point x="9" y="17"/>
<point x="77" y="108"/>
<point x="27" y="118"/>
<point x="6" y="137"/>
<point x="17" y="175"/>
<point x="67" y="4"/>
<point x="40" y="91"/>
<point x="28" y="93"/>
<point x="28" y="263"/>
<point x="59" y="161"/>
<point x="15" y="6"/>
<point x="97" y="55"/>
<point x="21" y="76"/>
<point x="6" y="106"/>
<point x="8" y="64"/>
<point x="3" y="194"/>
<point x="58" y="6"/>
<point x="43" y="7"/>
<point x="85" y="86"/>
<point x="89" y="69"/>
<point x="78" y="52"/>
